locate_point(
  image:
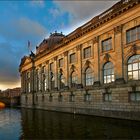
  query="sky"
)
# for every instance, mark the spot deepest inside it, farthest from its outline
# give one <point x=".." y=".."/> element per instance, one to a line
<point x="34" y="20"/>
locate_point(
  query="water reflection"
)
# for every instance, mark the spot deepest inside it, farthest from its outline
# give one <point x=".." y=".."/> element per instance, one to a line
<point x="38" y="124"/>
<point x="27" y="124"/>
<point x="10" y="124"/>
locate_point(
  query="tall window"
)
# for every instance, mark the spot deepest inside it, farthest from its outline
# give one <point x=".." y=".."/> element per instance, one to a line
<point x="87" y="52"/>
<point x="108" y="72"/>
<point x="89" y="77"/>
<point x="133" y="34"/>
<point x="107" y="44"/>
<point x="61" y="62"/>
<point x="72" y="58"/>
<point x="52" y="81"/>
<point x="62" y="81"/>
<point x="134" y="67"/>
<point x="74" y="79"/>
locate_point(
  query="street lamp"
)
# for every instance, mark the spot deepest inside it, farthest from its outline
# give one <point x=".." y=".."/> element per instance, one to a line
<point x="32" y="56"/>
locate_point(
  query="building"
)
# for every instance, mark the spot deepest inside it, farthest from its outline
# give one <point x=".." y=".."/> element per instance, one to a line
<point x="94" y="70"/>
<point x="10" y="96"/>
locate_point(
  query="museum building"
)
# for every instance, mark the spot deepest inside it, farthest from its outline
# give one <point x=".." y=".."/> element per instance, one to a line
<point x="94" y="70"/>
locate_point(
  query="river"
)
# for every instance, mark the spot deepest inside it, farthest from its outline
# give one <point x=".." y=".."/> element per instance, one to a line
<point x="31" y="124"/>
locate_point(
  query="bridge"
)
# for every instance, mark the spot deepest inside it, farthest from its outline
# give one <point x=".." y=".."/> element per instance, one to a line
<point x="10" y="101"/>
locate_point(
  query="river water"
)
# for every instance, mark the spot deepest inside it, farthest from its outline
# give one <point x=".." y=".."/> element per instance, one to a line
<point x="30" y="124"/>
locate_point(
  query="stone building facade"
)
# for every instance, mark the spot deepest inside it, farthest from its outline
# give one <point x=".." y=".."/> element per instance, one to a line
<point x="94" y="70"/>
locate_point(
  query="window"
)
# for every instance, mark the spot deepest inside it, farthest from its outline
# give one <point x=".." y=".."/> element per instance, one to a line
<point x="108" y="72"/>
<point x="107" y="97"/>
<point x="62" y="81"/>
<point x="89" y="77"/>
<point x="107" y="44"/>
<point x="135" y="96"/>
<point x="52" y="81"/>
<point x="60" y="98"/>
<point x="73" y="79"/>
<point x="51" y="66"/>
<point x="44" y="82"/>
<point x="134" y="67"/>
<point x="87" y="97"/>
<point x="72" y="58"/>
<point x="61" y="62"/>
<point x="133" y="34"/>
<point x="87" y="52"/>
<point x="72" y="98"/>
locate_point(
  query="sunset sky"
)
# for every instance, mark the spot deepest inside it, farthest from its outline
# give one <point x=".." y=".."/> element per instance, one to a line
<point x="21" y="21"/>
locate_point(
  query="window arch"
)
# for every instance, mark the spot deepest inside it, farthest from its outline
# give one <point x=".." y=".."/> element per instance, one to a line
<point x="89" y="79"/>
<point x="134" y="67"/>
<point x="73" y="79"/>
<point x="108" y="72"/>
<point x="62" y="81"/>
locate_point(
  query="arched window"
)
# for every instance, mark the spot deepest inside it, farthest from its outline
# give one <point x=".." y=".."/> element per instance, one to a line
<point x="108" y="72"/>
<point x="134" y="67"/>
<point x="73" y="79"/>
<point x="62" y="81"/>
<point x="52" y="81"/>
<point x="89" y="77"/>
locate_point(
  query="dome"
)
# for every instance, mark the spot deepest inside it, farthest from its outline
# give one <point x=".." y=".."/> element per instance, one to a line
<point x="50" y="42"/>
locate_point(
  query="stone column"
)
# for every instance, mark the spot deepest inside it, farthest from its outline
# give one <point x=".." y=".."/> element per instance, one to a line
<point x="96" y="54"/>
<point x="66" y="66"/>
<point x="119" y="65"/>
<point x="55" y="72"/>
<point x="79" y="60"/>
<point x="47" y="75"/>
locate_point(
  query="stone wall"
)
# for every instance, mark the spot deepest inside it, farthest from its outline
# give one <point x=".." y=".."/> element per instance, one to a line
<point x="120" y="105"/>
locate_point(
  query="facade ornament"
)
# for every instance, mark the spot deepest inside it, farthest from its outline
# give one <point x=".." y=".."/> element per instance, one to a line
<point x="87" y="63"/>
<point x="47" y="62"/>
<point x="55" y="58"/>
<point x="78" y="47"/>
<point x="106" y="57"/>
<point x="65" y="53"/>
<point x="72" y="67"/>
<point x="118" y="29"/>
<point x="95" y="39"/>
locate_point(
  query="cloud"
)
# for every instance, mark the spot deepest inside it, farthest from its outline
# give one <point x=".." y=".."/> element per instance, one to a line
<point x="81" y="11"/>
<point x="39" y="3"/>
<point x="22" y="28"/>
<point x="8" y="64"/>
<point x="55" y="12"/>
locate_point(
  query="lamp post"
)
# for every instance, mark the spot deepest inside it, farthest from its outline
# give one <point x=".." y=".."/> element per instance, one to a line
<point x="32" y="56"/>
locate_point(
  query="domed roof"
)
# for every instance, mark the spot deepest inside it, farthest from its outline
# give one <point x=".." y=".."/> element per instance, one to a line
<point x="50" y="42"/>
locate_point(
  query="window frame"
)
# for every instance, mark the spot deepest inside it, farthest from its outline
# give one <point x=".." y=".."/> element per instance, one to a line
<point x="130" y="65"/>
<point x="135" y="96"/>
<point x="132" y="35"/>
<point x="108" y="94"/>
<point x="72" y="60"/>
<point x="108" y="46"/>
<point x="111" y="74"/>
<point x="91" y="78"/>
<point x="61" y="62"/>
<point x="87" y="52"/>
